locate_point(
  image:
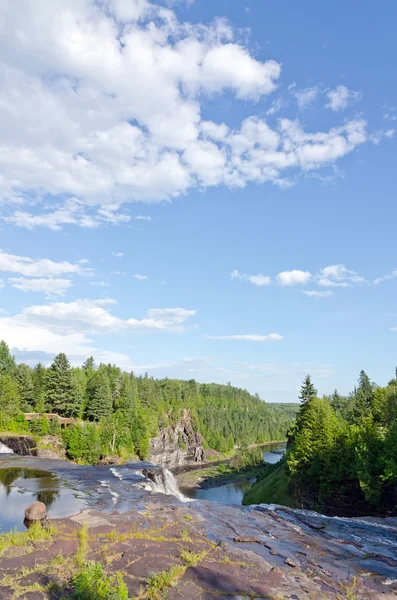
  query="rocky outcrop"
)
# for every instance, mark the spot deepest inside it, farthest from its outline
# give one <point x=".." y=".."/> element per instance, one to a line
<point x="24" y="445"/>
<point x="177" y="446"/>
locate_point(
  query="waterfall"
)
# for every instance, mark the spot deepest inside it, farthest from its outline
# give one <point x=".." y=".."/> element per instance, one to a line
<point x="5" y="449"/>
<point x="162" y="481"/>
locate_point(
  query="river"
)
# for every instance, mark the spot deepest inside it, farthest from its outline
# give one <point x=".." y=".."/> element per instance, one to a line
<point x="232" y="493"/>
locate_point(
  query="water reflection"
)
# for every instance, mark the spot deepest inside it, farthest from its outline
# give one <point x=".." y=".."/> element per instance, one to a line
<point x="232" y="493"/>
<point x="19" y="487"/>
<point x="47" y="491"/>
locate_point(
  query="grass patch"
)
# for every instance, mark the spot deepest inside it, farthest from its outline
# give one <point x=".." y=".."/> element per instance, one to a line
<point x="160" y="582"/>
<point x="91" y="583"/>
<point x="192" y="558"/>
<point x="36" y="533"/>
<point x="80" y="556"/>
<point x="273" y="488"/>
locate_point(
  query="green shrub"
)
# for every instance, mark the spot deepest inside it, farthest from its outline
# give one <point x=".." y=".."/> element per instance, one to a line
<point x="92" y="584"/>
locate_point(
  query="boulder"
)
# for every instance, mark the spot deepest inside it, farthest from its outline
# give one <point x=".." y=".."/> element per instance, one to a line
<point x="36" y="512"/>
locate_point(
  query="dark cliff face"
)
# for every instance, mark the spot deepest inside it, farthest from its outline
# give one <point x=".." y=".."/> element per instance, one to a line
<point x="23" y="445"/>
<point x="177" y="446"/>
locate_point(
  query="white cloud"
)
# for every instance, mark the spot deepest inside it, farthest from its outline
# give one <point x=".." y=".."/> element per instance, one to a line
<point x="140" y="277"/>
<point x="391" y="275"/>
<point x="1" y="283"/>
<point x="341" y="97"/>
<point x="75" y="125"/>
<point x="259" y="280"/>
<point x="317" y="294"/>
<point x="51" y="287"/>
<point x="339" y="276"/>
<point x="271" y="337"/>
<point x="42" y="267"/>
<point x="294" y="277"/>
<point x="62" y="326"/>
<point x="143" y="218"/>
<point x="118" y="254"/>
<point x="307" y="96"/>
<point x="99" y="283"/>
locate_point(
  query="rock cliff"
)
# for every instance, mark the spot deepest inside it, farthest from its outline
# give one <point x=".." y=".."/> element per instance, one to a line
<point x="24" y="445"/>
<point x="177" y="445"/>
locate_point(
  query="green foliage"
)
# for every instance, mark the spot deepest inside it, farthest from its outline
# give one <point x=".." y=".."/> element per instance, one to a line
<point x="91" y="583"/>
<point x="99" y="395"/>
<point x="272" y="487"/>
<point x="127" y="411"/>
<point x="341" y="445"/>
<point x="9" y="399"/>
<point x="61" y="395"/>
<point x="24" y="380"/>
<point x="7" y="361"/>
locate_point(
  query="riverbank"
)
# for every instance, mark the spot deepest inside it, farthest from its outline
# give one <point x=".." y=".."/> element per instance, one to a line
<point x="164" y="548"/>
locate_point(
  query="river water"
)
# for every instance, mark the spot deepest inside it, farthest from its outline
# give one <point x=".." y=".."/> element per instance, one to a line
<point x="232" y="493"/>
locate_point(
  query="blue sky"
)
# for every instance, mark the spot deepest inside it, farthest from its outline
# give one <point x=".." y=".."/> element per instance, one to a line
<point x="201" y="189"/>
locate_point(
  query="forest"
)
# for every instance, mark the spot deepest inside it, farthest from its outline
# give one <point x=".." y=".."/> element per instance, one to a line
<point x="117" y="412"/>
<point x="342" y="453"/>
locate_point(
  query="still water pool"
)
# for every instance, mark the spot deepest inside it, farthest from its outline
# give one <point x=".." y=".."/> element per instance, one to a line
<point x="20" y="487"/>
<point x="232" y="493"/>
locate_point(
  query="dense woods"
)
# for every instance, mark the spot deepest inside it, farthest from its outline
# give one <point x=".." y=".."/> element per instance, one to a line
<point x="117" y="412"/>
<point x="343" y="449"/>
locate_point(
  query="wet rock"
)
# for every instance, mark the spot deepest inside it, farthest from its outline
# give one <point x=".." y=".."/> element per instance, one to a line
<point x="290" y="562"/>
<point x="24" y="445"/>
<point x="36" y="512"/>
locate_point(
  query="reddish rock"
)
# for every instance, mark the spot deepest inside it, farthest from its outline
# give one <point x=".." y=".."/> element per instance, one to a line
<point x="36" y="512"/>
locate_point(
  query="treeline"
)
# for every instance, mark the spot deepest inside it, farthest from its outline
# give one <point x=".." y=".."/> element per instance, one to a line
<point x="342" y="453"/>
<point x="121" y="412"/>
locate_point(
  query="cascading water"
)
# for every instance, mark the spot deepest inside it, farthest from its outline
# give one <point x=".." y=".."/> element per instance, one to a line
<point x="162" y="481"/>
<point x="5" y="449"/>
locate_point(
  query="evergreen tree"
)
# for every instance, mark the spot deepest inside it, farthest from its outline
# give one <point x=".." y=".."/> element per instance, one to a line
<point x="364" y="396"/>
<point x="39" y="384"/>
<point x="9" y="399"/>
<point x="308" y="391"/>
<point x="99" y="395"/>
<point x="24" y="380"/>
<point x="60" y="394"/>
<point x="7" y="361"/>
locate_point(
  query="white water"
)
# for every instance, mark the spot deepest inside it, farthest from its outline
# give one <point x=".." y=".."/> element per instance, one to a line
<point x="5" y="449"/>
<point x="165" y="483"/>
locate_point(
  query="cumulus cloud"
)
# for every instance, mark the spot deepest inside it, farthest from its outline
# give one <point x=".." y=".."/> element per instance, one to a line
<point x="50" y="287"/>
<point x="294" y="277"/>
<point x="339" y="276"/>
<point x="341" y="97"/>
<point x="317" y="294"/>
<point x="259" y="280"/>
<point x="41" y="267"/>
<point x="140" y="277"/>
<point x="270" y="337"/>
<point x="74" y="125"/>
<point x="66" y="325"/>
<point x="391" y="275"/>
<point x="307" y="96"/>
<point x="118" y="254"/>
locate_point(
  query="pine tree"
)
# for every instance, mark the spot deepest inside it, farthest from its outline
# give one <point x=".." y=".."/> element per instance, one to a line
<point x="39" y="382"/>
<point x="60" y="393"/>
<point x="99" y="395"/>
<point x="9" y="399"/>
<point x="7" y="361"/>
<point x="308" y="391"/>
<point x="24" y="380"/>
<point x="364" y="396"/>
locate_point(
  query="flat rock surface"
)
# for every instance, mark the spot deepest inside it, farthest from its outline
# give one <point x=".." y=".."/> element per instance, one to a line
<point x="203" y="550"/>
